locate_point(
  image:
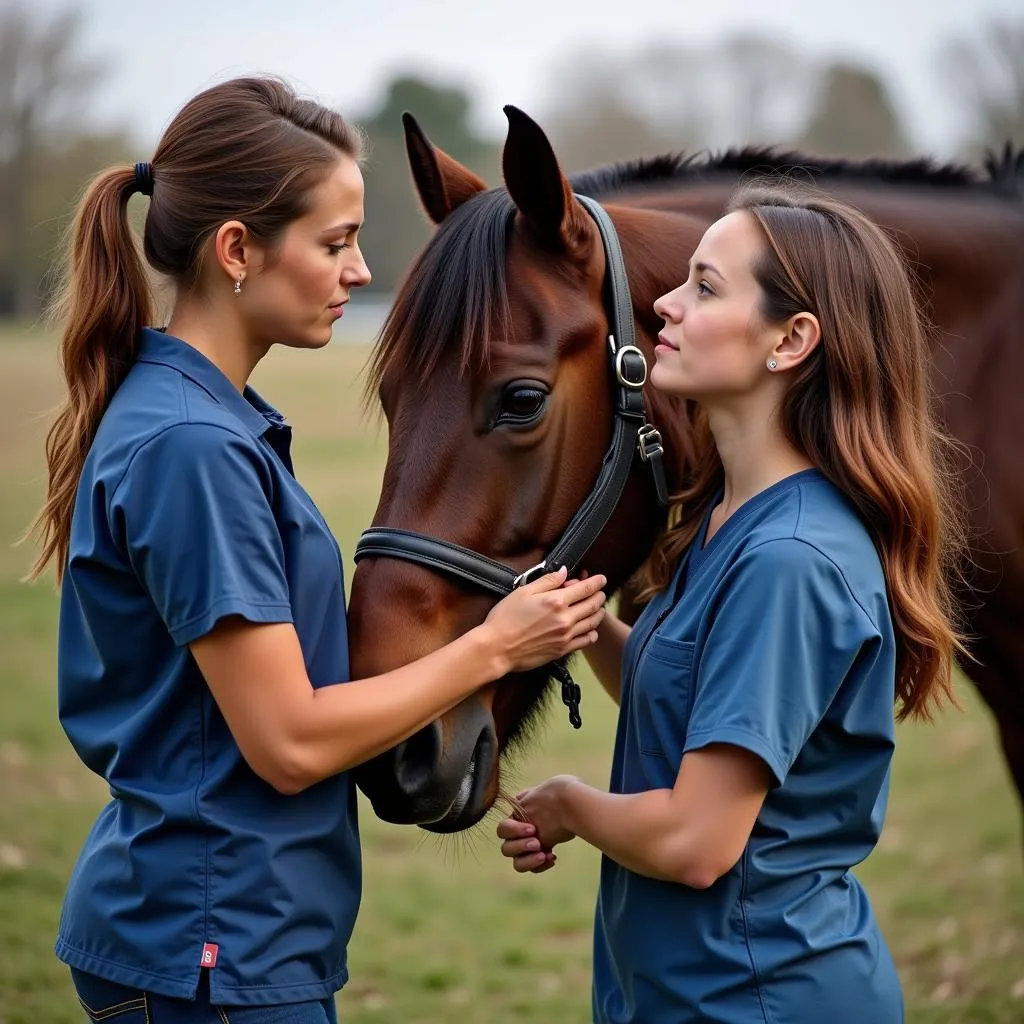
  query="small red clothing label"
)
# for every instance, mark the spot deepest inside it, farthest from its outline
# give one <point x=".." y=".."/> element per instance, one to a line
<point x="210" y="951"/>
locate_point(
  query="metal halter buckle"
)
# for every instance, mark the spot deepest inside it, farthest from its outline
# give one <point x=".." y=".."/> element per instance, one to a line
<point x="534" y="572"/>
<point x="619" y="366"/>
<point x="649" y="441"/>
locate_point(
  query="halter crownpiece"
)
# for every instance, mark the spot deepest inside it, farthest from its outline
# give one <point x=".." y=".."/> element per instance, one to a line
<point x="631" y="435"/>
<point x="144" y="178"/>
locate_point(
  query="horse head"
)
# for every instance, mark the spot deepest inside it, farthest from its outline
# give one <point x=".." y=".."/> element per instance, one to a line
<point x="493" y="372"/>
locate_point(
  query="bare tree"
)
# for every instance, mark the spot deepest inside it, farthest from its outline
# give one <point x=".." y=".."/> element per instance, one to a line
<point x="760" y="88"/>
<point x="854" y="117"/>
<point x="400" y="228"/>
<point x="596" y="117"/>
<point x="672" y="97"/>
<point x="986" y="75"/>
<point x="43" y="83"/>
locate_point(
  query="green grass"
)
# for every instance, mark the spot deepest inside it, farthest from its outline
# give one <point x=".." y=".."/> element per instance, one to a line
<point x="447" y="931"/>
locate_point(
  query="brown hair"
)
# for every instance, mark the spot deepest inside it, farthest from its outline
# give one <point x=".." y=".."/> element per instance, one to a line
<point x="248" y="149"/>
<point x="859" y="407"/>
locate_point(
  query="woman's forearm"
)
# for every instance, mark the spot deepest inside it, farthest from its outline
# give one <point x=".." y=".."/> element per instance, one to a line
<point x="692" y="834"/>
<point x="640" y="831"/>
<point x="352" y="722"/>
<point x="293" y="734"/>
<point x="605" y="656"/>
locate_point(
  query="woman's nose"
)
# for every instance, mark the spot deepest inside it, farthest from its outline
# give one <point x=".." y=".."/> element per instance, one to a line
<point x="668" y="307"/>
<point x="357" y="273"/>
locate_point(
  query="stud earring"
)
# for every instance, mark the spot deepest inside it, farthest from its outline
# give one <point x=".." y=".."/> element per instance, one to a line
<point x="238" y="285"/>
<point x="772" y="363"/>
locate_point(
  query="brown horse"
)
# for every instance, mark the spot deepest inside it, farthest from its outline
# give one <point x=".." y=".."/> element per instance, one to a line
<point x="493" y="373"/>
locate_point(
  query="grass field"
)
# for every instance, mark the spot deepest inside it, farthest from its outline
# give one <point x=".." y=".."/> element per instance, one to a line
<point x="447" y="932"/>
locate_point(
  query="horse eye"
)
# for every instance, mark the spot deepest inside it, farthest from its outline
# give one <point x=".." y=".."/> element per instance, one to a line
<point x="520" y="405"/>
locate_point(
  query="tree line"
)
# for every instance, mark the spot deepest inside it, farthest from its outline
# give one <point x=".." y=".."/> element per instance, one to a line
<point x="748" y="89"/>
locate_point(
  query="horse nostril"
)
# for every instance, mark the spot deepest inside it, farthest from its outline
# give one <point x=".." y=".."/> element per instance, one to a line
<point x="484" y="754"/>
<point x="416" y="759"/>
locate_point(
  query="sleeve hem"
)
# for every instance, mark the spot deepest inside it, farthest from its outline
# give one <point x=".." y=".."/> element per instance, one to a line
<point x="739" y="737"/>
<point x="254" y="611"/>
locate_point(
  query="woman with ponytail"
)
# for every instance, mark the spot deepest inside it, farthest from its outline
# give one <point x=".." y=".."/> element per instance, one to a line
<point x="804" y="594"/>
<point x="202" y="627"/>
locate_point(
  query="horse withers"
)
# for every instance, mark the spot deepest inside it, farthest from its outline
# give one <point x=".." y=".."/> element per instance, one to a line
<point x="497" y="374"/>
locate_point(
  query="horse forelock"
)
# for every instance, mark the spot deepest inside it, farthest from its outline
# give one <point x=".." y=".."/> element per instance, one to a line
<point x="454" y="300"/>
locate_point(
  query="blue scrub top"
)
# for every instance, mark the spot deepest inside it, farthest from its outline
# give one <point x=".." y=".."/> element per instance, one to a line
<point x="776" y="637"/>
<point x="188" y="511"/>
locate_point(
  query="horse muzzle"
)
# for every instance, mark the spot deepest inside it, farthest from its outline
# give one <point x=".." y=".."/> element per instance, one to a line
<point x="443" y="778"/>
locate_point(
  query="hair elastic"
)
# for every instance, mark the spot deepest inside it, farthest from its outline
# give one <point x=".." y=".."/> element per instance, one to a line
<point x="144" y="178"/>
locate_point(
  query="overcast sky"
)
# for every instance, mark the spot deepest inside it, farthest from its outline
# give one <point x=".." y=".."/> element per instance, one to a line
<point x="504" y="51"/>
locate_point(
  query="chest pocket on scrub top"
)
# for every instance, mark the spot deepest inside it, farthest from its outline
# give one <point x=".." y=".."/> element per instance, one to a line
<point x="664" y="699"/>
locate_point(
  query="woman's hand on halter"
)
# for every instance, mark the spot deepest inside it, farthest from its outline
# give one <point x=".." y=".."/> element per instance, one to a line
<point x="546" y="619"/>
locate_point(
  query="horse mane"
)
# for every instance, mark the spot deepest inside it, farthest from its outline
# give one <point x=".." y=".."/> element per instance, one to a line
<point x="1003" y="172"/>
<point x="1006" y="170"/>
<point x="451" y="295"/>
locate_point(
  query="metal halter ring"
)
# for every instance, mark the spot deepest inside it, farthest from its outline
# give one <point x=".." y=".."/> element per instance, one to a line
<point x="623" y="379"/>
<point x="531" y="574"/>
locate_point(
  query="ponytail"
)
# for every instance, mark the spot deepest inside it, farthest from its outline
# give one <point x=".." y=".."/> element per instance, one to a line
<point x="103" y="305"/>
<point x="249" y="149"/>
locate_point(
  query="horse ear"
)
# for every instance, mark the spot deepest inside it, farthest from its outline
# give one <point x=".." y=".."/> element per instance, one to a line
<point x="441" y="181"/>
<point x="537" y="185"/>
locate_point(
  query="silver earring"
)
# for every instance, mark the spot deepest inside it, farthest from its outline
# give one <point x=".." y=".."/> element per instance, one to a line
<point x="238" y="286"/>
<point x="772" y="363"/>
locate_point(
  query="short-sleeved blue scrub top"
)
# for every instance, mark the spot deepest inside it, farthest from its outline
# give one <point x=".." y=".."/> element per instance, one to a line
<point x="775" y="636"/>
<point x="188" y="511"/>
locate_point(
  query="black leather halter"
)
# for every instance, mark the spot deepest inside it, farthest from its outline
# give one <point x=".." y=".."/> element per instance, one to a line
<point x="632" y="435"/>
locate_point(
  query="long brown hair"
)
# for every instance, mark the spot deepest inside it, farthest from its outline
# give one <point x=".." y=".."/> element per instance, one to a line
<point x="860" y="408"/>
<point x="248" y="149"/>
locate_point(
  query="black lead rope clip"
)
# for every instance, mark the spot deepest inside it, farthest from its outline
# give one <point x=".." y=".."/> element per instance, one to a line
<point x="571" y="692"/>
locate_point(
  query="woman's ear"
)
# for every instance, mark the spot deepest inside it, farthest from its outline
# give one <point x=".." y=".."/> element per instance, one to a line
<point x="802" y="336"/>
<point x="234" y="250"/>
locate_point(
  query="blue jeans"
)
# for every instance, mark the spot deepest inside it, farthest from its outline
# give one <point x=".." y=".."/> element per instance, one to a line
<point x="110" y="1003"/>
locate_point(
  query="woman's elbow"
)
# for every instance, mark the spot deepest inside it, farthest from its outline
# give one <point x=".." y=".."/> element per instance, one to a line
<point x="696" y="876"/>
<point x="288" y="784"/>
<point x="290" y="756"/>
<point x="287" y="768"/>
<point x="285" y="779"/>
<point x="700" y="869"/>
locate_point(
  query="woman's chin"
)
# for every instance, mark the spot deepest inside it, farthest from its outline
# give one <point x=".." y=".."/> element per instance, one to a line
<point x="313" y="338"/>
<point x="672" y="382"/>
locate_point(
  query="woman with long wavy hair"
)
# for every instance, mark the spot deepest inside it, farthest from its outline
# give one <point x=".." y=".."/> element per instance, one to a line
<point x="803" y="596"/>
